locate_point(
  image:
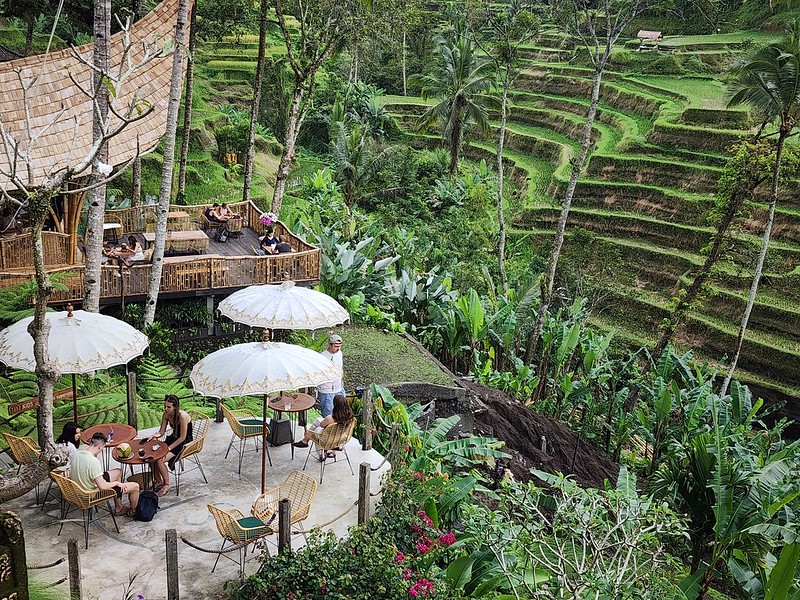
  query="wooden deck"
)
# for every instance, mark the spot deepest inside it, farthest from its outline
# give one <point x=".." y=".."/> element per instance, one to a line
<point x="222" y="269"/>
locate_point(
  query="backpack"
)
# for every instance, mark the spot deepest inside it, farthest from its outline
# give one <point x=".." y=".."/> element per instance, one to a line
<point x="223" y="234"/>
<point x="147" y="507"/>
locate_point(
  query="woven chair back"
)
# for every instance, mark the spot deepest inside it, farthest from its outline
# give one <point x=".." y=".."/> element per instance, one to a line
<point x="298" y="487"/>
<point x="335" y="435"/>
<point x="239" y="429"/>
<point x="80" y="496"/>
<point x="200" y="426"/>
<point x="23" y="449"/>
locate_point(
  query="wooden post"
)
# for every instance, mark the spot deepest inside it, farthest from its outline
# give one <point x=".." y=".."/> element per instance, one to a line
<point x="219" y="418"/>
<point x="130" y="393"/>
<point x="367" y="415"/>
<point x="13" y="561"/>
<point x="284" y="526"/>
<point x="172" y="565"/>
<point x="210" y="309"/>
<point x="73" y="554"/>
<point x="364" y="471"/>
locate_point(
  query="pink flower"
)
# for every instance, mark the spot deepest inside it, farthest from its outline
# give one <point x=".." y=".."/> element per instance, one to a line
<point x="400" y="557"/>
<point x="421" y="587"/>
<point x="417" y="475"/>
<point x="448" y="539"/>
<point x="408" y="448"/>
<point x="423" y="546"/>
<point x="407" y="574"/>
<point x="425" y="518"/>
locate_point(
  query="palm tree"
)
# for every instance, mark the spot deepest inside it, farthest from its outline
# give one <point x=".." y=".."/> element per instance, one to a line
<point x="460" y="80"/>
<point x="768" y="81"/>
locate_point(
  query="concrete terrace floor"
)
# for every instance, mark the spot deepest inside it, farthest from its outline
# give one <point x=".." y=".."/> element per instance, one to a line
<point x="140" y="547"/>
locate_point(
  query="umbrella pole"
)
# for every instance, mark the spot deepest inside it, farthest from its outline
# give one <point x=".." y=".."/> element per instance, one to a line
<point x="264" y="447"/>
<point x="74" y="400"/>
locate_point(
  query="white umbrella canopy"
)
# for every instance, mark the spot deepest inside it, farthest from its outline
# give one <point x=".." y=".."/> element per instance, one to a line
<point x="79" y="342"/>
<point x="283" y="306"/>
<point x="260" y="368"/>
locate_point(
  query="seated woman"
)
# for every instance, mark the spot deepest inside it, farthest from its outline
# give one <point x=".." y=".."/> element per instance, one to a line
<point x="225" y="214"/>
<point x="71" y="438"/>
<point x="342" y="413"/>
<point x="132" y="252"/>
<point x="269" y="241"/>
<point x="181" y="424"/>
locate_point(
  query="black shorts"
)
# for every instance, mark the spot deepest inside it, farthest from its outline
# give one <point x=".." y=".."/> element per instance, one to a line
<point x="117" y="489"/>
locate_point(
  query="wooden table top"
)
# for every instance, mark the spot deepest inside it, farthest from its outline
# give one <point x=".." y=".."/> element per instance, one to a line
<point x="122" y="433"/>
<point x="296" y="402"/>
<point x="150" y="455"/>
<point x="177" y="214"/>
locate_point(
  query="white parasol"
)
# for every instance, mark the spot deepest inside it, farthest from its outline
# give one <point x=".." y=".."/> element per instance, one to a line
<point x="79" y="342"/>
<point x="283" y="306"/>
<point x="261" y="368"/>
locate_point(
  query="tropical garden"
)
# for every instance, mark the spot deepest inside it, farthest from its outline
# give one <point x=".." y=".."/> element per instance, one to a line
<point x="601" y="227"/>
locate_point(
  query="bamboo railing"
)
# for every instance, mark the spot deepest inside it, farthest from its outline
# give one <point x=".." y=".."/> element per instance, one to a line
<point x="17" y="252"/>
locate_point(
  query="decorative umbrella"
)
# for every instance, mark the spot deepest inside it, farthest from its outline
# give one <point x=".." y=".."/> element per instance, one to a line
<point x="283" y="306"/>
<point x="260" y="368"/>
<point x="80" y="342"/>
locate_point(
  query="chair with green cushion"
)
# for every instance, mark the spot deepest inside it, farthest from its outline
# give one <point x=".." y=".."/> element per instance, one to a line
<point x="239" y="531"/>
<point x="244" y="425"/>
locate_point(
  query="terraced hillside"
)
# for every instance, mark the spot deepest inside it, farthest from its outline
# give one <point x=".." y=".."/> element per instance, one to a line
<point x="659" y="148"/>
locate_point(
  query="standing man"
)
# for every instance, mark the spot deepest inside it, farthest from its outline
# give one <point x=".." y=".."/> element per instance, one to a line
<point x="327" y="391"/>
<point x="87" y="472"/>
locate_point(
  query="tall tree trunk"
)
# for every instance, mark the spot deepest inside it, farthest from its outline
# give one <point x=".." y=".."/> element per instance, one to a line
<point x="136" y="176"/>
<point x="455" y="139"/>
<point x="501" y="218"/>
<point x="405" y="50"/>
<point x="292" y="129"/>
<point x="28" y="37"/>
<point x="687" y="296"/>
<point x="762" y="255"/>
<point x="97" y="195"/>
<point x="566" y="205"/>
<point x="187" y="104"/>
<point x="259" y="84"/>
<point x="154" y="285"/>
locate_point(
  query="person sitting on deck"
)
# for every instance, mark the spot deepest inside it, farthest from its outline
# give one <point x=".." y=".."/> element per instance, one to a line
<point x="211" y="213"/>
<point x="225" y="214"/>
<point x="269" y="241"/>
<point x="283" y="246"/>
<point x="131" y="252"/>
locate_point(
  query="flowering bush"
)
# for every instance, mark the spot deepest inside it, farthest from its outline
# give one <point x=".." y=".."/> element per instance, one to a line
<point x="267" y="218"/>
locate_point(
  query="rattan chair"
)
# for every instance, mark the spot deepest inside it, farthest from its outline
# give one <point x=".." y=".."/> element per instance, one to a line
<point x="334" y="439"/>
<point x="64" y="471"/>
<point x="206" y="224"/>
<point x="244" y="425"/>
<point x="239" y="531"/>
<point x="234" y="226"/>
<point x="24" y="451"/>
<point x="76" y="496"/>
<point x="300" y="490"/>
<point x="191" y="451"/>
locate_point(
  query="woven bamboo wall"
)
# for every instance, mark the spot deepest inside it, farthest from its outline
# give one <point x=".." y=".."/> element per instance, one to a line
<point x="64" y="140"/>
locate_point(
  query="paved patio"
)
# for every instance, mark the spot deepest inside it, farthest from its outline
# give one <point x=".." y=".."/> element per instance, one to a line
<point x="140" y="547"/>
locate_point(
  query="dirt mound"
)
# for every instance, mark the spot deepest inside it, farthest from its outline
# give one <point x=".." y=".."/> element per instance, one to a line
<point x="522" y="430"/>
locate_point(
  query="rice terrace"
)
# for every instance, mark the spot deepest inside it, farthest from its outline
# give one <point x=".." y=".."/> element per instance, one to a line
<point x="353" y="300"/>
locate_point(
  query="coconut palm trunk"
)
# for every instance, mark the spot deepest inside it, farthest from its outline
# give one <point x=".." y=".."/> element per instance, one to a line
<point x="93" y="249"/>
<point x="257" y="87"/>
<point x="187" y="104"/>
<point x="501" y="218"/>
<point x="154" y="284"/>
<point x="786" y="128"/>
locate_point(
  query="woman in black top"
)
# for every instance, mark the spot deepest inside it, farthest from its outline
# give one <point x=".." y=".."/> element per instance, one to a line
<point x="181" y="424"/>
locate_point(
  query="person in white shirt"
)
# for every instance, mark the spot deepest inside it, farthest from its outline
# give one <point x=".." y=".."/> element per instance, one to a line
<point x="71" y="438"/>
<point x="326" y="391"/>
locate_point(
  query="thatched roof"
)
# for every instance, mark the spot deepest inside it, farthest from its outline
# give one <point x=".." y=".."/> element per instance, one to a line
<point x="644" y="34"/>
<point x="6" y="54"/>
<point x="69" y="138"/>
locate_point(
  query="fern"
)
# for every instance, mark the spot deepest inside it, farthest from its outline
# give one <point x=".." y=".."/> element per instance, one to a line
<point x="157" y="379"/>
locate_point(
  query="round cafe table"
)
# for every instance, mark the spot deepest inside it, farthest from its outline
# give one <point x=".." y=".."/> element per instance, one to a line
<point x="293" y="405"/>
<point x="122" y="433"/>
<point x="144" y="454"/>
